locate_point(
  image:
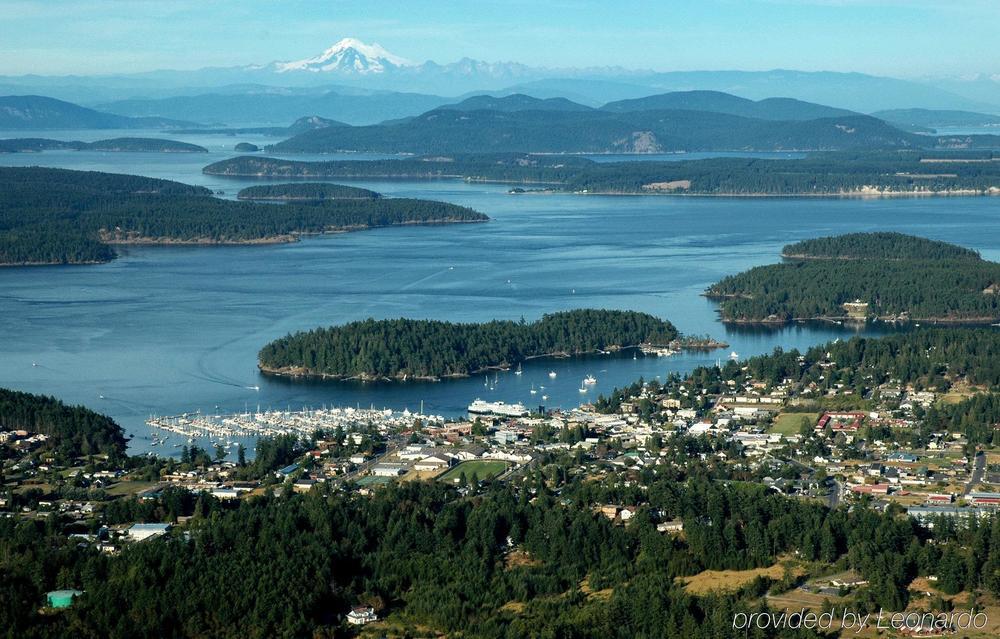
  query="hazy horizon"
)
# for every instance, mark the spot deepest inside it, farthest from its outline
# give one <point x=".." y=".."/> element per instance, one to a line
<point x="916" y="39"/>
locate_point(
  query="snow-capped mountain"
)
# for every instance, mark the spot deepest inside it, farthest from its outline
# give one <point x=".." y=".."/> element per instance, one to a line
<point x="349" y="56"/>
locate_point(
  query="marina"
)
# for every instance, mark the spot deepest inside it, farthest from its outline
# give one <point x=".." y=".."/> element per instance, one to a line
<point x="276" y="422"/>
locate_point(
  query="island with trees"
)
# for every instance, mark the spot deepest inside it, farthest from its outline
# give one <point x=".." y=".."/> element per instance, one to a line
<point x="845" y="174"/>
<point x="306" y="191"/>
<point x="57" y="216"/>
<point x="401" y="349"/>
<point x="887" y="276"/>
<point x="113" y="145"/>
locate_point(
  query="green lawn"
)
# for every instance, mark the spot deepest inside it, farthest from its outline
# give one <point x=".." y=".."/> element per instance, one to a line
<point x="789" y="423"/>
<point x="482" y="469"/>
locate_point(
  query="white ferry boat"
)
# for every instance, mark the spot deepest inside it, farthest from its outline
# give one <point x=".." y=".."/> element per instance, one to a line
<point x="479" y="407"/>
<point x="589" y="380"/>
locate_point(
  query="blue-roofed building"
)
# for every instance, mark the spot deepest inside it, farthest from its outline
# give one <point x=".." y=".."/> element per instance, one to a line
<point x="287" y="470"/>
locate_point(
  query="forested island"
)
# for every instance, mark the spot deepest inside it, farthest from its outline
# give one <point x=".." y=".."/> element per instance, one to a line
<point x="887" y="276"/>
<point x="114" y="145"/>
<point x="427" y="349"/>
<point x="306" y="191"/>
<point x="73" y="430"/>
<point x="885" y="173"/>
<point x="56" y="216"/>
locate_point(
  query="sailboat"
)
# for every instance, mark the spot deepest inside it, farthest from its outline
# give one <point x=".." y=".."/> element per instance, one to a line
<point x="533" y="391"/>
<point x="552" y="374"/>
<point x="589" y="380"/>
<point x="518" y="371"/>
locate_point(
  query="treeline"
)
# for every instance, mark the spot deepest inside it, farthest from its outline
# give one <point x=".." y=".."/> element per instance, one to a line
<point x="58" y="216"/>
<point x="400" y="348"/>
<point x="829" y="174"/>
<point x="892" y="273"/>
<point x="74" y="430"/>
<point x="306" y="191"/>
<point x="293" y="565"/>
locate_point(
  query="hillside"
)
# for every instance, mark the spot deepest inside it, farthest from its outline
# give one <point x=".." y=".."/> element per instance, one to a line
<point x="719" y="102"/>
<point x="864" y="275"/>
<point x="515" y="102"/>
<point x="56" y="216"/>
<point x="402" y="348"/>
<point x="35" y="112"/>
<point x="556" y="131"/>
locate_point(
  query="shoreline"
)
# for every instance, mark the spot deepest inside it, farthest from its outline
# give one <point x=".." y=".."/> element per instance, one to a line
<point x="844" y="319"/>
<point x="304" y="373"/>
<point x="861" y="193"/>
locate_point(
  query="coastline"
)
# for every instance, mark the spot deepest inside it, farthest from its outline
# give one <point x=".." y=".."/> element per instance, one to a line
<point x="303" y="372"/>
<point x="862" y="193"/>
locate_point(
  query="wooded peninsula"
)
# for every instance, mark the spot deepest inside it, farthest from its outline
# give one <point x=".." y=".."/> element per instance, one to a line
<point x="876" y="173"/>
<point x="888" y="276"/>
<point x="426" y="349"/>
<point x="56" y="216"/>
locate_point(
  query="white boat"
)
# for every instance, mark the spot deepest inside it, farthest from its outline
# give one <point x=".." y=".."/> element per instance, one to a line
<point x="518" y="371"/>
<point x="583" y="389"/>
<point x="532" y="391"/>
<point x="479" y="407"/>
<point x="734" y="356"/>
<point x="552" y="374"/>
<point x="545" y="397"/>
<point x="589" y="380"/>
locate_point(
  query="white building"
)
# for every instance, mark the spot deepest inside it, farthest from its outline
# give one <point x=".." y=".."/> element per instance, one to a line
<point x="141" y="532"/>
<point x="361" y="615"/>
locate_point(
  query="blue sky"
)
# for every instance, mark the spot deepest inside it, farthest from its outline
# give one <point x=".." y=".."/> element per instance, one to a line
<point x="903" y="38"/>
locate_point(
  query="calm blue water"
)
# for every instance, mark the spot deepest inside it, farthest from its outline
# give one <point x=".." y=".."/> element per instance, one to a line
<point x="167" y="330"/>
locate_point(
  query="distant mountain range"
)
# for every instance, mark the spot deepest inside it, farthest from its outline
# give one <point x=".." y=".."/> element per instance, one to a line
<point x="523" y="123"/>
<point x="363" y="83"/>
<point x="260" y="105"/>
<point x="34" y="112"/>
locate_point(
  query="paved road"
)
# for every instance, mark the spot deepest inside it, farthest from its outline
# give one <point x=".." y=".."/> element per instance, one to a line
<point x="978" y="469"/>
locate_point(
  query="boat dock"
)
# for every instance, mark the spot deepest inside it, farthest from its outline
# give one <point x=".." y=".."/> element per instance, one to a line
<point x="276" y="422"/>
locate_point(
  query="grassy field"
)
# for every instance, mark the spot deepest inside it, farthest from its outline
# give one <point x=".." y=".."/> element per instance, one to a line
<point x="789" y="423"/>
<point x="729" y="580"/>
<point x="482" y="469"/>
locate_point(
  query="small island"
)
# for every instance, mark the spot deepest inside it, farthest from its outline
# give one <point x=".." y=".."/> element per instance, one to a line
<point x="862" y="276"/>
<point x="246" y="147"/>
<point x="403" y="349"/>
<point x="306" y="192"/>
<point x="58" y="216"/>
<point x="113" y="145"/>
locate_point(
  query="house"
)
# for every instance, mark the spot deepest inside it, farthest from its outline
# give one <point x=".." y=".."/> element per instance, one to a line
<point x="361" y="615"/>
<point x="142" y="532"/>
<point x="672" y="526"/>
<point x="359" y="458"/>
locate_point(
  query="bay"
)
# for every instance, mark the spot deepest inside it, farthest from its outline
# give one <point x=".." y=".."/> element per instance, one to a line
<point x="165" y="330"/>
